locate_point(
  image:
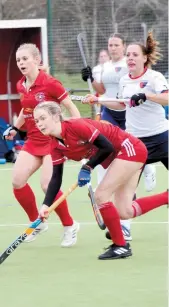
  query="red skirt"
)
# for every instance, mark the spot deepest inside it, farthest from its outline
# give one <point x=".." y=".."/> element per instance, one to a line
<point x="35" y="149"/>
<point x="132" y="149"/>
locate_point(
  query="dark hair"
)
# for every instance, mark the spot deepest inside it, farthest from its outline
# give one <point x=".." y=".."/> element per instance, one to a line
<point x="150" y="49"/>
<point x="118" y="35"/>
<point x="103" y="50"/>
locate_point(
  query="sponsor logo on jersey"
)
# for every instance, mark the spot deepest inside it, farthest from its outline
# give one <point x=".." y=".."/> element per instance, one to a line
<point x="117" y="69"/>
<point x="40" y="97"/>
<point x="143" y="84"/>
<point x="28" y="113"/>
<point x="28" y="110"/>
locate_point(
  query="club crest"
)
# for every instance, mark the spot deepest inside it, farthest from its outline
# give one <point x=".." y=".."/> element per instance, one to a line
<point x="117" y="69"/>
<point x="40" y="97"/>
<point x="143" y="84"/>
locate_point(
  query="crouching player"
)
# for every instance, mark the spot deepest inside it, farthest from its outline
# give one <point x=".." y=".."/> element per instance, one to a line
<point x="103" y="144"/>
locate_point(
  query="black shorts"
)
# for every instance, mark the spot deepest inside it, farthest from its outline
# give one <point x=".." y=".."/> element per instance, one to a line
<point x="157" y="147"/>
<point x="117" y="118"/>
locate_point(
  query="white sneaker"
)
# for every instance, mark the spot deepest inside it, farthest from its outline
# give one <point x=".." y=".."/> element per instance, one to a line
<point x="150" y="179"/>
<point x="70" y="235"/>
<point x="39" y="230"/>
<point x="126" y="233"/>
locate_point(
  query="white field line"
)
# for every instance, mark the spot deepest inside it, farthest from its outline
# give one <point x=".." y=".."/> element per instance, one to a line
<point x="66" y="165"/>
<point x="85" y="224"/>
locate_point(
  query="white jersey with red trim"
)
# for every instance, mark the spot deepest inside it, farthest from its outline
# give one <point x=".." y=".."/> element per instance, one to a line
<point x="97" y="72"/>
<point x="147" y="119"/>
<point x="111" y="75"/>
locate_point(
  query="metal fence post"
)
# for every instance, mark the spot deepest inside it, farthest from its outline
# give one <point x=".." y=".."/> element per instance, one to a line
<point x="50" y="37"/>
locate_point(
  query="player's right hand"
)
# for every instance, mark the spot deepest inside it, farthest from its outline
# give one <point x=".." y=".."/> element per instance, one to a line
<point x="9" y="133"/>
<point x="90" y="99"/>
<point x="87" y="74"/>
<point x="44" y="213"/>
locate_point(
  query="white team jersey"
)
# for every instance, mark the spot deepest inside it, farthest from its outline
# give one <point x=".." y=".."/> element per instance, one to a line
<point x="111" y="75"/>
<point x="97" y="72"/>
<point x="147" y="119"/>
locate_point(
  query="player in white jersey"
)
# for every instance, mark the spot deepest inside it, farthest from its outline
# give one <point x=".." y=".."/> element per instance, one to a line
<point x="112" y="71"/>
<point x="97" y="74"/>
<point x="148" y="93"/>
<point x="98" y="69"/>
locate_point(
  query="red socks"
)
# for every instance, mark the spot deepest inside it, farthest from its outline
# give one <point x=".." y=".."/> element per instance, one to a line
<point x="146" y="204"/>
<point x="63" y="211"/>
<point x="111" y="219"/>
<point x="26" y="198"/>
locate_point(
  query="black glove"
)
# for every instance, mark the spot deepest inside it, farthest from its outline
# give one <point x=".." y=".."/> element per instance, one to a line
<point x="87" y="74"/>
<point x="137" y="99"/>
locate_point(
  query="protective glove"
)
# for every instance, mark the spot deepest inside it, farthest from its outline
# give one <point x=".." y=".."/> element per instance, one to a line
<point x="137" y="100"/>
<point x="10" y="132"/>
<point x="87" y="74"/>
<point x="84" y="176"/>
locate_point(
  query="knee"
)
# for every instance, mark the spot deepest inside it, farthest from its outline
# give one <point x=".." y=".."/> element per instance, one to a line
<point x="18" y="182"/>
<point x="126" y="213"/>
<point x="99" y="197"/>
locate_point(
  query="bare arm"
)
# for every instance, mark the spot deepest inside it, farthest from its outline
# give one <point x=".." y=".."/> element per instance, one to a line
<point x="98" y="87"/>
<point x="70" y="106"/>
<point x="20" y="120"/>
<point x="111" y="104"/>
<point x="158" y="98"/>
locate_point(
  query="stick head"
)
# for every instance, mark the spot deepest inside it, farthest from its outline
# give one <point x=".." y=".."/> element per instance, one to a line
<point x="81" y="40"/>
<point x="81" y="37"/>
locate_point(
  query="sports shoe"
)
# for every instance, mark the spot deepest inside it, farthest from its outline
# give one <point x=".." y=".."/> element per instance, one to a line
<point x="116" y="252"/>
<point x="70" y="235"/>
<point x="126" y="234"/>
<point x="150" y="179"/>
<point x="39" y="230"/>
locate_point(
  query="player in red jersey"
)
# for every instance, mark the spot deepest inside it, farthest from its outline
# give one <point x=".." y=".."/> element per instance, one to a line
<point x="123" y="154"/>
<point x="35" y="87"/>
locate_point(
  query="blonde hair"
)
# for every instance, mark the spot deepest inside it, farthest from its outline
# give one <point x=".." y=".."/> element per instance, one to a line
<point x="34" y="50"/>
<point x="151" y="50"/>
<point x="51" y="107"/>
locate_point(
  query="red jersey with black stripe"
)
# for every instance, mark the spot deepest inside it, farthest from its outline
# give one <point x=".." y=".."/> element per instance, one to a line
<point x="45" y="88"/>
<point x="79" y="134"/>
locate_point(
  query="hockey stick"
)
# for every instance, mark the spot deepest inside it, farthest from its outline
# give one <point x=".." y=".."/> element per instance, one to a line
<point x="33" y="225"/>
<point x="96" y="211"/>
<point x="100" y="99"/>
<point x="80" y="40"/>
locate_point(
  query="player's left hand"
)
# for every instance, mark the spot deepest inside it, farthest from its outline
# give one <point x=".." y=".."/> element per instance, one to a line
<point x="44" y="213"/>
<point x="137" y="99"/>
<point x="84" y="176"/>
<point x="90" y="99"/>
